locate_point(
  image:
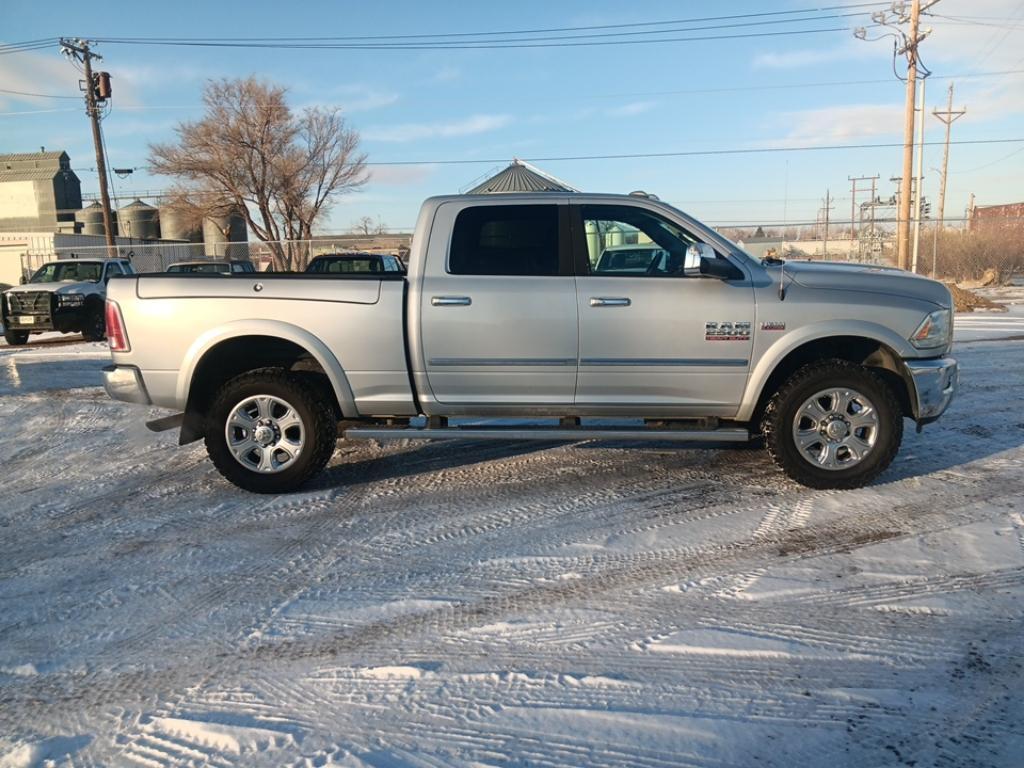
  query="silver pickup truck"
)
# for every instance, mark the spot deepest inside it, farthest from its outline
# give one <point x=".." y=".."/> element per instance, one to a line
<point x="513" y="322"/>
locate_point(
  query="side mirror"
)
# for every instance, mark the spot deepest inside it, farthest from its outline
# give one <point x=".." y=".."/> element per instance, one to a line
<point x="23" y="280"/>
<point x="700" y="261"/>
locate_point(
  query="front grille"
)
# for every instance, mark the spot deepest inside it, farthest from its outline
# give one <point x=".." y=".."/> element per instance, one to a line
<point x="29" y="302"/>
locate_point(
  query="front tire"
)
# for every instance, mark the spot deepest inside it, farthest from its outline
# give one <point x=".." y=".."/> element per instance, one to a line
<point x="16" y="338"/>
<point x="95" y="325"/>
<point x="270" y="431"/>
<point x="833" y="425"/>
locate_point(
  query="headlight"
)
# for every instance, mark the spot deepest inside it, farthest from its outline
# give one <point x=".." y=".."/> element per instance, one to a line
<point x="935" y="330"/>
<point x="70" y="299"/>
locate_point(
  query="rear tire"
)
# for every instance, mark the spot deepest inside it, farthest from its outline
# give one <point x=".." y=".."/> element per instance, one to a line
<point x="270" y="431"/>
<point x="833" y="425"/>
<point x="16" y="338"/>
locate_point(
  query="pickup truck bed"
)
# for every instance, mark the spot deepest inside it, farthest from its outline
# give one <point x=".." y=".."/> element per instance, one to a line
<point x="352" y="318"/>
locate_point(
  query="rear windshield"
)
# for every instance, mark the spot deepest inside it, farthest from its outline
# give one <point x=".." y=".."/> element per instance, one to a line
<point x="350" y="264"/>
<point x="69" y="272"/>
<point x="211" y="267"/>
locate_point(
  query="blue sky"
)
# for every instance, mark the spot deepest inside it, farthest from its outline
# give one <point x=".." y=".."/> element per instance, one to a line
<point x="499" y="104"/>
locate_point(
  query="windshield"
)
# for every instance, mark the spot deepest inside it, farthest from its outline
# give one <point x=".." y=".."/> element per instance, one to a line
<point x="69" y="272"/>
<point x="632" y="260"/>
<point x="207" y="267"/>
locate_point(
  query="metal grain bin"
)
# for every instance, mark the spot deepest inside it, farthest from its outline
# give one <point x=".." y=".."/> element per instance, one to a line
<point x="175" y="226"/>
<point x="226" y="236"/>
<point x="139" y="220"/>
<point x="92" y="219"/>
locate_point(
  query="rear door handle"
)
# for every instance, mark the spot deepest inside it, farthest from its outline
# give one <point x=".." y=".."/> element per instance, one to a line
<point x="451" y="301"/>
<point x="605" y="301"/>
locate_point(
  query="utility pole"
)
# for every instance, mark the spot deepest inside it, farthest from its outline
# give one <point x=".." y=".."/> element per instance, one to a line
<point x="903" y="217"/>
<point x="919" y="192"/>
<point x="97" y="90"/>
<point x="894" y="18"/>
<point x="948" y="117"/>
<point x="825" y="213"/>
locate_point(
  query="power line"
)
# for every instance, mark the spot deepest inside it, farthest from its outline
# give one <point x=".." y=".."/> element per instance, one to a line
<point x="683" y="153"/>
<point x="470" y="45"/>
<point x="691" y="153"/>
<point x="386" y="42"/>
<point x="625" y="94"/>
<point x="447" y="43"/>
<point x="490" y="33"/>
<point x="38" y="95"/>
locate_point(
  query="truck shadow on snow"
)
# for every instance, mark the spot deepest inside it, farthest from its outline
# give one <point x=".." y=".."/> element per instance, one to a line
<point x="26" y="374"/>
<point x="937" y="449"/>
<point x="421" y="459"/>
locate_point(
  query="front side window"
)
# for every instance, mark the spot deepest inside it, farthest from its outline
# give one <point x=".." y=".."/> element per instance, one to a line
<point x="113" y="268"/>
<point x="623" y="241"/>
<point x="506" y="240"/>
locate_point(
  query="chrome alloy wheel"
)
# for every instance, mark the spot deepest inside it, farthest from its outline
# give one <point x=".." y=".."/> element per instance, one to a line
<point x="836" y="428"/>
<point x="265" y="434"/>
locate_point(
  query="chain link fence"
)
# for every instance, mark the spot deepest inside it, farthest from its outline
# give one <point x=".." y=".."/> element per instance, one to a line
<point x="157" y="257"/>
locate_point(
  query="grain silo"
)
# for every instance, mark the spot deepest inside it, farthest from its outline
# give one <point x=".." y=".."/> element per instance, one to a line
<point x="92" y="219"/>
<point x="175" y="225"/>
<point x="139" y="220"/>
<point x="226" y="236"/>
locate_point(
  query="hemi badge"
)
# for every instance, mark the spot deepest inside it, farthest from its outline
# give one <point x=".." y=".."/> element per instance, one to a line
<point x="773" y="325"/>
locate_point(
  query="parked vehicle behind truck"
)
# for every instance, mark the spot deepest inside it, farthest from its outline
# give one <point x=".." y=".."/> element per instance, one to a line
<point x="506" y="311"/>
<point x="66" y="295"/>
<point x="355" y="263"/>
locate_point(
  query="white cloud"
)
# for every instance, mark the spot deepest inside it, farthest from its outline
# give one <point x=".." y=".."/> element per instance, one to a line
<point x="808" y="57"/>
<point x="840" y="124"/>
<point x="632" y="108"/>
<point x="363" y="98"/>
<point x="977" y="34"/>
<point x="400" y="175"/>
<point x="416" y="131"/>
<point x="447" y="75"/>
<point x="46" y="73"/>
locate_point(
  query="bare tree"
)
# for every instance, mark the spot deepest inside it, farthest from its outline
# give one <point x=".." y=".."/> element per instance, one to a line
<point x="365" y="225"/>
<point x="251" y="154"/>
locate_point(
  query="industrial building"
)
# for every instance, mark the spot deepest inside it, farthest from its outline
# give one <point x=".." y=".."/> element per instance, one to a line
<point x="38" y="192"/>
<point x="42" y="218"/>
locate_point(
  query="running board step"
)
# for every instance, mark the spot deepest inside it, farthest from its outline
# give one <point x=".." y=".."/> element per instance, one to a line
<point x="549" y="433"/>
<point x="166" y="423"/>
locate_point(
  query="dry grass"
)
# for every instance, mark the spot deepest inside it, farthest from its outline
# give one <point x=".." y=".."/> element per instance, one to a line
<point x="968" y="301"/>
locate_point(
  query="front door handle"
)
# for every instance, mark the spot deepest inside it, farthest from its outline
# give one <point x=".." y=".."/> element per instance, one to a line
<point x="451" y="301"/>
<point x="605" y="301"/>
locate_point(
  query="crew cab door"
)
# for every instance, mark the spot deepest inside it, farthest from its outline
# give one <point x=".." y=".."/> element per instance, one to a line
<point x="497" y="305"/>
<point x="652" y="339"/>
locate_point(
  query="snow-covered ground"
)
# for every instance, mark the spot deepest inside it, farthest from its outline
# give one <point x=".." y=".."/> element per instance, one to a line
<point x="480" y="604"/>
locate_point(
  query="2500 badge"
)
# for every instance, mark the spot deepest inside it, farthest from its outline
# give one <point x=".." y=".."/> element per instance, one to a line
<point x="727" y="331"/>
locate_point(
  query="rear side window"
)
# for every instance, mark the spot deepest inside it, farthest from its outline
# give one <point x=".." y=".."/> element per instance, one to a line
<point x="506" y="240"/>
